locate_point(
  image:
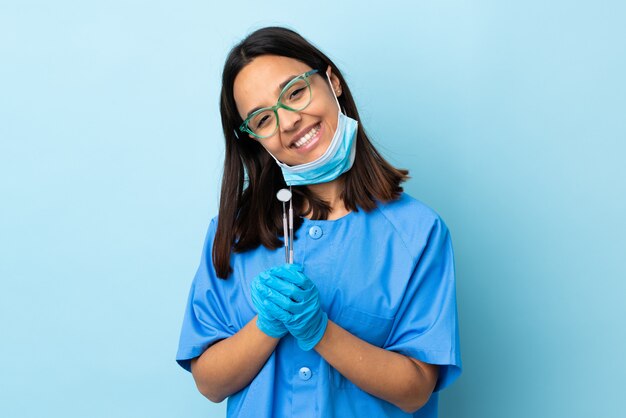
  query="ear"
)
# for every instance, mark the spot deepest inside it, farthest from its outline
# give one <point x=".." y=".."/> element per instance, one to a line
<point x="334" y="80"/>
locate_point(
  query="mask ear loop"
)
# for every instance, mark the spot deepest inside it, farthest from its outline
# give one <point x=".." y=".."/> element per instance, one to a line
<point x="333" y="90"/>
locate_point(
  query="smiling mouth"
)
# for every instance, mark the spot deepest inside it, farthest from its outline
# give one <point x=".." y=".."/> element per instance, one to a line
<point x="306" y="138"/>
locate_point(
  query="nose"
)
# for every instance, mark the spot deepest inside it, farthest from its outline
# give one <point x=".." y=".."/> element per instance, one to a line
<point x="288" y="120"/>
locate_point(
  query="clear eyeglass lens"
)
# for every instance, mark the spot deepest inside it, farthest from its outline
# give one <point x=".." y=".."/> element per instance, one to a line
<point x="296" y="97"/>
<point x="263" y="123"/>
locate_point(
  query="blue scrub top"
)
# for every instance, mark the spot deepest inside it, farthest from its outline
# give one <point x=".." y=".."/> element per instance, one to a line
<point x="386" y="276"/>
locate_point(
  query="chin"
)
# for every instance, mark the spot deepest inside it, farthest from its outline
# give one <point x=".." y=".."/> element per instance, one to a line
<point x="319" y="150"/>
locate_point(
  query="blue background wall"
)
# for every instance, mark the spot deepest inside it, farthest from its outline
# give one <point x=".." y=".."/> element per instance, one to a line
<point x="510" y="116"/>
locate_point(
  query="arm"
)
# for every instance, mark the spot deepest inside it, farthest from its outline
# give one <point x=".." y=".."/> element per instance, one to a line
<point x="398" y="379"/>
<point x="230" y="364"/>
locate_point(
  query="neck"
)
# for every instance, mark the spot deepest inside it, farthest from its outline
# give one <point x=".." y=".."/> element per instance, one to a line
<point x="330" y="192"/>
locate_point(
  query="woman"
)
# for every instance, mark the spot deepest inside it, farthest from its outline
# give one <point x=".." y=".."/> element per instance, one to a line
<point x="364" y="322"/>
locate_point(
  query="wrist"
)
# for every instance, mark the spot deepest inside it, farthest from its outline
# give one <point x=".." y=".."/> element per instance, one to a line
<point x="316" y="336"/>
<point x="269" y="328"/>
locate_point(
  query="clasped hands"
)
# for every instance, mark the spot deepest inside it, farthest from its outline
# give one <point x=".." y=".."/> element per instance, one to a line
<point x="288" y="302"/>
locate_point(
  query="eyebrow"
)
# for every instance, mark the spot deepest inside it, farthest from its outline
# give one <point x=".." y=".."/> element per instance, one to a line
<point x="280" y="87"/>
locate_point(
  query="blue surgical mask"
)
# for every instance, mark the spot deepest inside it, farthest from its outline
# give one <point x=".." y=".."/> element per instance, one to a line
<point x="337" y="159"/>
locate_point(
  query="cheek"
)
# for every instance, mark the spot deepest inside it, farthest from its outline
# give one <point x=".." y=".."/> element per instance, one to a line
<point x="327" y="110"/>
<point x="332" y="117"/>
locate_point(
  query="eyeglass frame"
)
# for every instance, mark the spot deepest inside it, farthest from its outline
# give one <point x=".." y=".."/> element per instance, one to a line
<point x="304" y="76"/>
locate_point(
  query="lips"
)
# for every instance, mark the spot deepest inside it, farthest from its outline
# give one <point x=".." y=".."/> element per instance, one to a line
<point x="308" y="143"/>
<point x="301" y="134"/>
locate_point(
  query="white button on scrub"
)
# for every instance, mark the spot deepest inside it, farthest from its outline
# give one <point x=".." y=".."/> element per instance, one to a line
<point x="315" y="232"/>
<point x="304" y="373"/>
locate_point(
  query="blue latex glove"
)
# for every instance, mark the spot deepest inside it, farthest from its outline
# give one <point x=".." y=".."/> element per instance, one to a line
<point x="266" y="321"/>
<point x="293" y="298"/>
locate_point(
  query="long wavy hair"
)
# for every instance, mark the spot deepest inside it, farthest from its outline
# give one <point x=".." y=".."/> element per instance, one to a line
<point x="249" y="213"/>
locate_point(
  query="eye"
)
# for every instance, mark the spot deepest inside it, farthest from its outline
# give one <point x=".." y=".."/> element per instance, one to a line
<point x="296" y="93"/>
<point x="262" y="121"/>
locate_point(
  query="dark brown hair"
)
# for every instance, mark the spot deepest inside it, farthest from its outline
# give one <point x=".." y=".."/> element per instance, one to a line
<point x="249" y="213"/>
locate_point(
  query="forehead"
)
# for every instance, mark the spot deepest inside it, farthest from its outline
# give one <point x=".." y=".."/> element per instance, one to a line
<point x="257" y="84"/>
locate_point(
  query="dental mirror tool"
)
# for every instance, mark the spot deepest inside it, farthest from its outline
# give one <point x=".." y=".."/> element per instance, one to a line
<point x="284" y="196"/>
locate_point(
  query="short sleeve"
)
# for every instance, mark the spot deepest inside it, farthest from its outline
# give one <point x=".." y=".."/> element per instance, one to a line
<point x="426" y="324"/>
<point x="206" y="315"/>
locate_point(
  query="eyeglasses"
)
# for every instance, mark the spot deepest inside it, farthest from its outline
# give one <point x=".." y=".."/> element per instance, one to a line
<point x="296" y="95"/>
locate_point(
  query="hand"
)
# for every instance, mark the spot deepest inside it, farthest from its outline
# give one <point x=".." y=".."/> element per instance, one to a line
<point x="294" y="299"/>
<point x="266" y="321"/>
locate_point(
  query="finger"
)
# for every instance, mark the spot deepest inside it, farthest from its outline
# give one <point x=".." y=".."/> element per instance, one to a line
<point x="259" y="278"/>
<point x="276" y="311"/>
<point x="258" y="294"/>
<point x="285" y="302"/>
<point x="267" y="293"/>
<point x="294" y="276"/>
<point x="286" y="288"/>
<point x="295" y="268"/>
<point x="257" y="301"/>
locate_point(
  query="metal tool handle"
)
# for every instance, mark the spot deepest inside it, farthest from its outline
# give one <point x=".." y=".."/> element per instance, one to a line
<point x="290" y="231"/>
<point x="285" y="234"/>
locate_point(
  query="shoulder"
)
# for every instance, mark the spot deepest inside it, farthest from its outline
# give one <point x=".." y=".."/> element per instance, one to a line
<point x="413" y="220"/>
<point x="210" y="233"/>
<point x="407" y="212"/>
<point x="408" y="206"/>
<point x="213" y="223"/>
<point x="209" y="239"/>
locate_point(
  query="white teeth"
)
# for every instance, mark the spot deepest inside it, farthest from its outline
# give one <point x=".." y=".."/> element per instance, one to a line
<point x="306" y="138"/>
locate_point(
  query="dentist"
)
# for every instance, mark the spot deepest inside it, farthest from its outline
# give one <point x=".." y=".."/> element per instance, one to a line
<point x="364" y="323"/>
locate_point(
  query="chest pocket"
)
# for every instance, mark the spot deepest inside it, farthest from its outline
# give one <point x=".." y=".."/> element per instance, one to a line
<point x="368" y="327"/>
